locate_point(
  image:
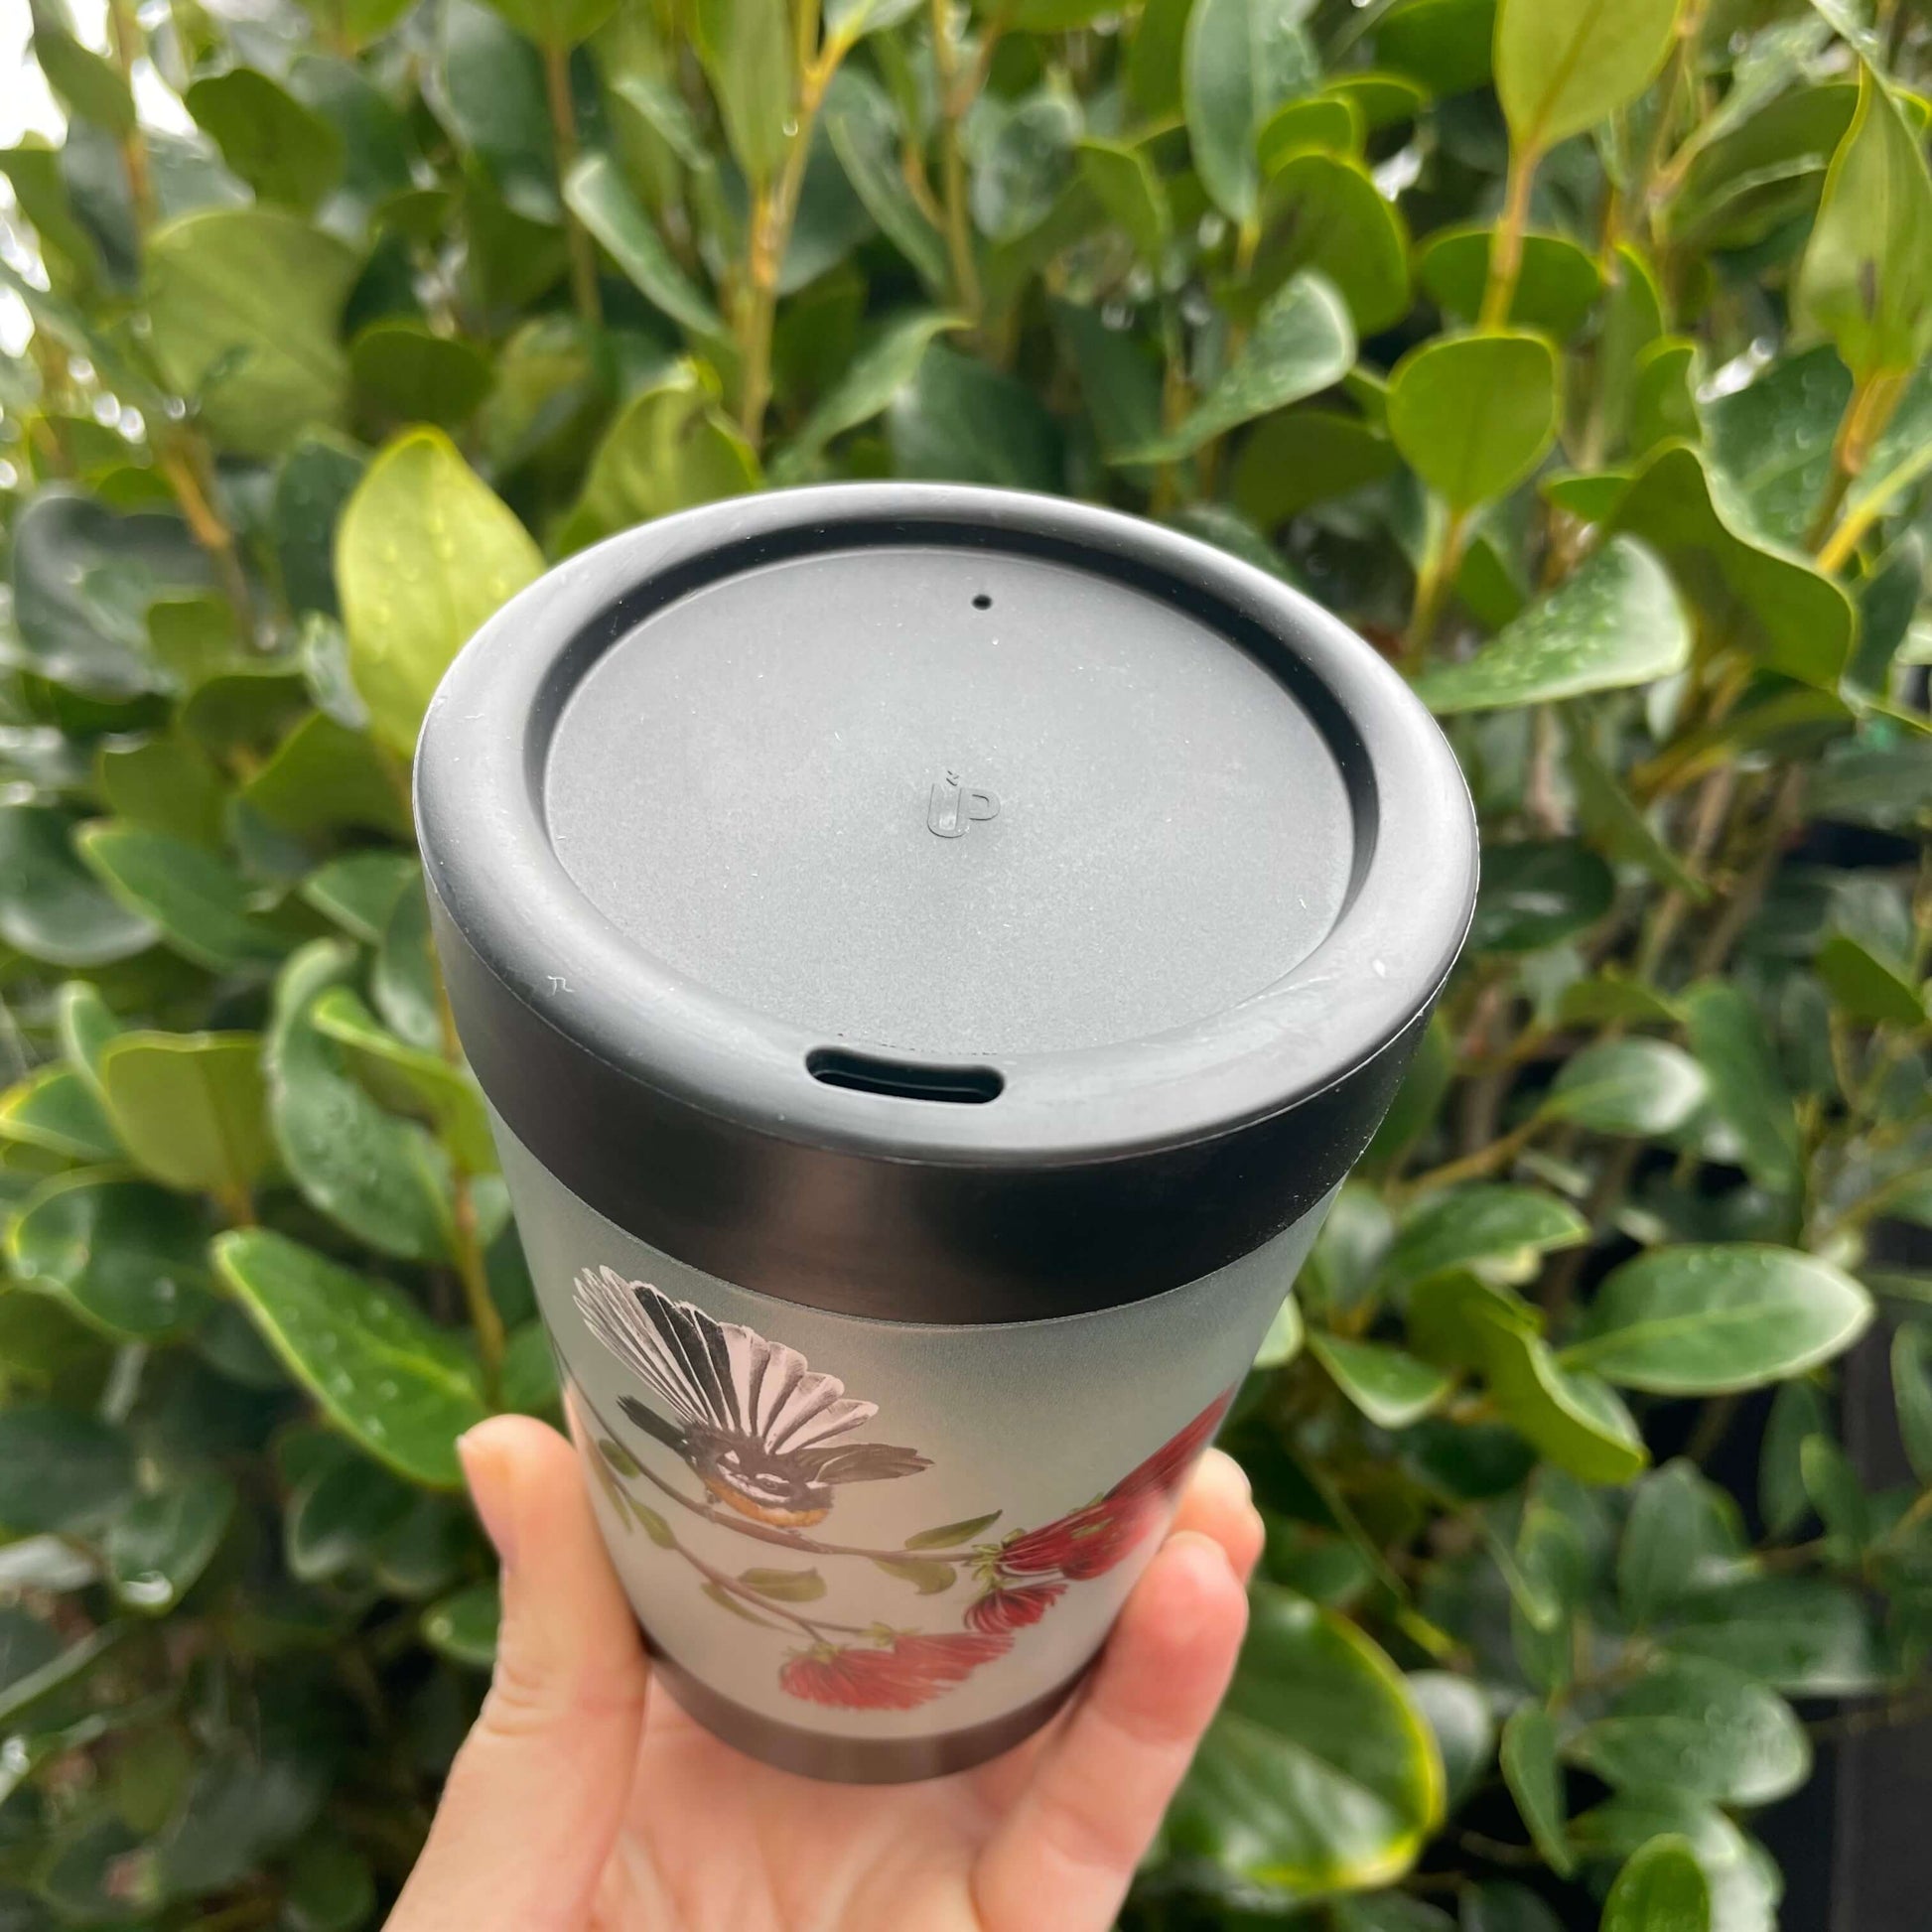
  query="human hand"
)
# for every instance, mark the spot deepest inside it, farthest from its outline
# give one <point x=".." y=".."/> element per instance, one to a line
<point x="582" y="1803"/>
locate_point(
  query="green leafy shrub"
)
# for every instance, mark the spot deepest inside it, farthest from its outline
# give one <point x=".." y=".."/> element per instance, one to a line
<point x="1573" y="349"/>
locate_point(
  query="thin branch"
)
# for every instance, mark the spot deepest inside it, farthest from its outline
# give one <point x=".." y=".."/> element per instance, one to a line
<point x="563" y="127"/>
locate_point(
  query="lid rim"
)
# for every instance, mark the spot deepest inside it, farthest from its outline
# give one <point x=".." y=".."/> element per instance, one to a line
<point x="479" y="789"/>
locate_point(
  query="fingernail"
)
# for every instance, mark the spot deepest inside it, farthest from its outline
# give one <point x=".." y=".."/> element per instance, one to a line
<point x="493" y="1506"/>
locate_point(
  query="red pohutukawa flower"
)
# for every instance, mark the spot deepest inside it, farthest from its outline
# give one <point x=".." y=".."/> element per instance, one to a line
<point x="1011" y="1606"/>
<point x="1091" y="1541"/>
<point x="911" y="1669"/>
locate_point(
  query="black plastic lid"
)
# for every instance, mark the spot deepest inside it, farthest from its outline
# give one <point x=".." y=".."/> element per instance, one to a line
<point x="937" y="903"/>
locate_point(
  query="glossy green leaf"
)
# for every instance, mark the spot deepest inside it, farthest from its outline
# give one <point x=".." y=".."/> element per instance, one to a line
<point x="874" y="377"/>
<point x="1131" y="192"/>
<point x="1617" y="622"/>
<point x="1535" y="1779"/>
<point x="1319" y="1773"/>
<point x="165" y="782"/>
<point x="58" y="1111"/>
<point x="61" y="1470"/>
<point x="863" y="131"/>
<point x="325" y="777"/>
<point x="1572" y="1417"/>
<point x="1682" y="1535"/>
<point x="1301" y="457"/>
<point x="1836" y="1492"/>
<point x="52" y="908"/>
<point x="405" y="985"/>
<point x="463" y="1627"/>
<point x="1024" y="158"/>
<point x="745" y="47"/>
<point x="1866" y="987"/>
<point x="354" y="22"/>
<point x="201" y="904"/>
<point x="129" y="1258"/>
<point x="360" y="890"/>
<point x="1458" y="1717"/>
<point x="597" y="196"/>
<point x="1700" y="1320"/>
<point x="1537" y="892"/>
<point x="90" y="85"/>
<point x="1444" y="45"/>
<point x="338" y="1514"/>
<point x="846" y="21"/>
<point x="1806" y="1636"/>
<point x="1389" y="1386"/>
<point x="1283" y="1342"/>
<point x="959" y="421"/>
<point x="409" y="1080"/>
<point x="285" y="151"/>
<point x="1800" y="621"/>
<point x="1453" y="1316"/>
<point x="1472" y="415"/>
<point x="1557" y="282"/>
<point x="1324" y="212"/>
<point x="1772" y="440"/>
<point x="1911" y="1382"/>
<point x="1698" y="1727"/>
<point x="1866" y="280"/>
<point x="1485" y="1222"/>
<point x="1302" y="342"/>
<point x="670" y="450"/>
<point x="243" y="305"/>
<point x="190" y="1108"/>
<point x="385" y="1180"/>
<point x="86" y="1024"/>
<point x="555" y="24"/>
<point x="159" y="1545"/>
<point x="401" y="1388"/>
<point x="1331" y="123"/>
<point x="1798" y="1412"/>
<point x="1661" y="1889"/>
<point x="331" y="1887"/>
<point x="1742" y="1882"/>
<point x="1636" y="1087"/>
<point x="406" y="373"/>
<point x="1240" y="60"/>
<point x="1564" y="65"/>
<point x="1747" y="1086"/>
<point x="425" y="552"/>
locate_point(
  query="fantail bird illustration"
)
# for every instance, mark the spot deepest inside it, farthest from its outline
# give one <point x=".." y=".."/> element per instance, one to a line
<point x="756" y="1425"/>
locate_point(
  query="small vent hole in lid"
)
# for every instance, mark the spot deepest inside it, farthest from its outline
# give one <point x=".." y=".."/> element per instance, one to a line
<point x="969" y="1086"/>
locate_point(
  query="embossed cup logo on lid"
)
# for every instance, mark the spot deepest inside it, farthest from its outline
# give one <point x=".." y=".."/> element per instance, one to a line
<point x="953" y="808"/>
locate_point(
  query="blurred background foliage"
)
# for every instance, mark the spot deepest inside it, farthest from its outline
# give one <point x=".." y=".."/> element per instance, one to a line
<point x="1573" y="349"/>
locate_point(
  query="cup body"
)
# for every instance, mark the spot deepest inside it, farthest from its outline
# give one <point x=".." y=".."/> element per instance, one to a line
<point x="931" y="955"/>
<point x="916" y="1622"/>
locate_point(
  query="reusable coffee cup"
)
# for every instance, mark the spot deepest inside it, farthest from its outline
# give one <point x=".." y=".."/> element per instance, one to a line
<point x="931" y="955"/>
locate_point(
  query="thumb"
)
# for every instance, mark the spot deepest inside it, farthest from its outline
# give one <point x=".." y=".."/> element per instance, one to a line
<point x="537" y="1793"/>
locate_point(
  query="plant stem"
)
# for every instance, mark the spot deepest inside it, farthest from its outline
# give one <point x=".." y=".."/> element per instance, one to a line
<point x="134" y="144"/>
<point x="1440" y="561"/>
<point x="563" y="127"/>
<point x="485" y="1318"/>
<point x="967" y="294"/>
<point x="1874" y="401"/>
<point x="773" y="209"/>
<point x="1742" y="904"/>
<point x="1506" y="250"/>
<point x="188" y="471"/>
<point x="1473" y="1166"/>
